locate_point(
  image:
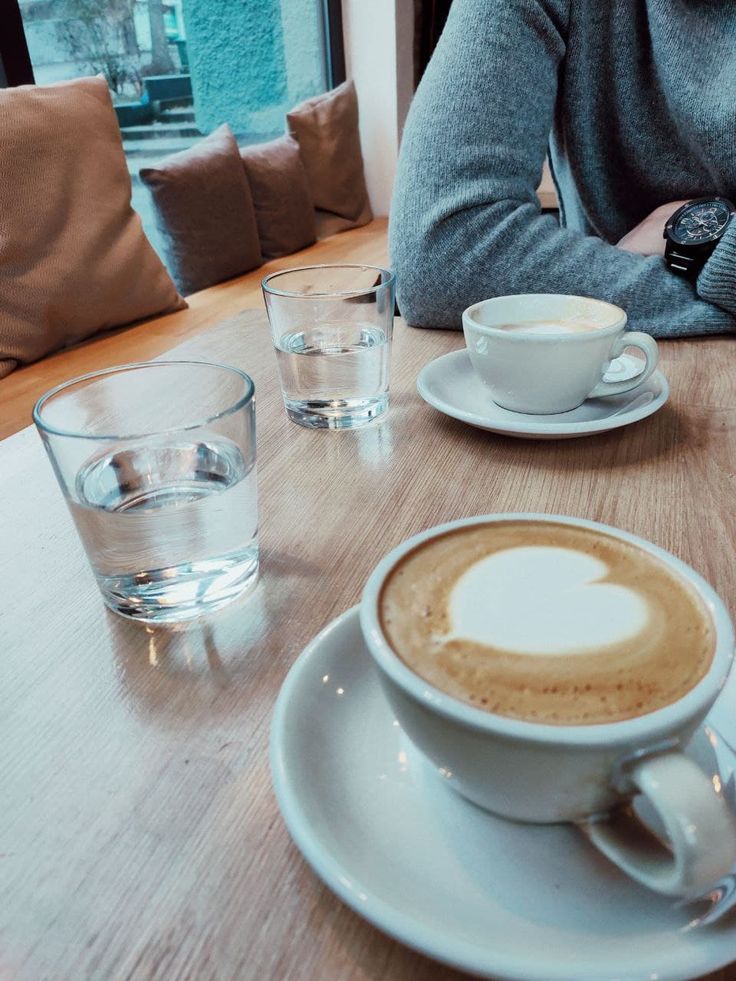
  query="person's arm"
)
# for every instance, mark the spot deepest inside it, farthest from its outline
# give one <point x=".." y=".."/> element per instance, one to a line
<point x="465" y="220"/>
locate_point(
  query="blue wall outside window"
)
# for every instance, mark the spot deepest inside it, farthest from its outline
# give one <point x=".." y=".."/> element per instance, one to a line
<point x="252" y="60"/>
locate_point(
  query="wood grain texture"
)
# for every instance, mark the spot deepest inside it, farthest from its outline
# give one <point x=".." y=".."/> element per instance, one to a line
<point x="140" y="838"/>
<point x="20" y="390"/>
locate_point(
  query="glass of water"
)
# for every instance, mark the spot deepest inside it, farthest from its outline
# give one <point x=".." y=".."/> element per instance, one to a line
<point x="332" y="328"/>
<point x="157" y="462"/>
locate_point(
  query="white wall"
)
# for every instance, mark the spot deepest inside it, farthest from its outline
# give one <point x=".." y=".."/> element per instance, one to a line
<point x="378" y="57"/>
<point x="404" y="59"/>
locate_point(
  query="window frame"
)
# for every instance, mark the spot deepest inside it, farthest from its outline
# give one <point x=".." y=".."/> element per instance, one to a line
<point x="334" y="43"/>
<point x="15" y="61"/>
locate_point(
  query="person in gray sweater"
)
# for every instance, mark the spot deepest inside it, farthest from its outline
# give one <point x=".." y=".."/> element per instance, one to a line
<point x="635" y="102"/>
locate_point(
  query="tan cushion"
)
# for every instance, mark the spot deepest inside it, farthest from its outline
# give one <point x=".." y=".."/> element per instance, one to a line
<point x="281" y="198"/>
<point x="326" y="128"/>
<point x="329" y="224"/>
<point x="205" y="212"/>
<point x="73" y="256"/>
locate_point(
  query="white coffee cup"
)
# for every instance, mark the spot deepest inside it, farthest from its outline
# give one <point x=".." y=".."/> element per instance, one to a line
<point x="548" y="372"/>
<point x="544" y="773"/>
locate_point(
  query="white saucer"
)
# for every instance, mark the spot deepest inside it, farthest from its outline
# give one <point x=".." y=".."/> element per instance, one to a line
<point x="449" y="384"/>
<point x="395" y="843"/>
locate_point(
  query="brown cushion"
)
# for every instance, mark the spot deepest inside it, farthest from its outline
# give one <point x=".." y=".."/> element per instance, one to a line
<point x="330" y="224"/>
<point x="281" y="198"/>
<point x="205" y="212"/>
<point x="73" y="256"/>
<point x="326" y="129"/>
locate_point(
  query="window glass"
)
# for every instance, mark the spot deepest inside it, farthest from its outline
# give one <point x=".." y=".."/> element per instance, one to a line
<point x="177" y="69"/>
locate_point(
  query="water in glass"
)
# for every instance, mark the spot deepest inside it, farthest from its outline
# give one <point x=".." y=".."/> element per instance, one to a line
<point x="334" y="374"/>
<point x="169" y="524"/>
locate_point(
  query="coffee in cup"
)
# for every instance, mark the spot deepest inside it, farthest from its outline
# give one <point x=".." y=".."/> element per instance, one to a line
<point x="546" y="622"/>
<point x="551" y="669"/>
<point x="546" y="353"/>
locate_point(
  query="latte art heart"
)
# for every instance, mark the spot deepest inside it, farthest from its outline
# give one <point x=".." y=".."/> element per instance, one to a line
<point x="546" y="622"/>
<point x="543" y="600"/>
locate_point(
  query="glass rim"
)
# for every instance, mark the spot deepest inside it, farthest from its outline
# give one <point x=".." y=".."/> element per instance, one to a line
<point x="267" y="288"/>
<point x="46" y="427"/>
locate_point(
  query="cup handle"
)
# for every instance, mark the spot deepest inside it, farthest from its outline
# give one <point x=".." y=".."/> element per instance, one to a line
<point x="646" y="344"/>
<point x="699" y="824"/>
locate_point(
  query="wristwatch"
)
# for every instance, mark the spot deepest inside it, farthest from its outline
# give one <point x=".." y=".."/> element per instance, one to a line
<point x="693" y="232"/>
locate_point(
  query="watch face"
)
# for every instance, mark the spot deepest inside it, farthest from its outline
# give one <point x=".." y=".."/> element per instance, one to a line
<point x="701" y="221"/>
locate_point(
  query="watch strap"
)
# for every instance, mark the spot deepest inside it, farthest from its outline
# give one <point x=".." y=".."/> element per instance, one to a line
<point x="683" y="264"/>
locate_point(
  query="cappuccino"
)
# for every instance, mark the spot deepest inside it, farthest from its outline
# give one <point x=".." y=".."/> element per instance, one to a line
<point x="550" y="327"/>
<point x="547" y="622"/>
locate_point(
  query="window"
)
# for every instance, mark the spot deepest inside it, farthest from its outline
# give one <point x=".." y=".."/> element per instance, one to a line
<point x="179" y="68"/>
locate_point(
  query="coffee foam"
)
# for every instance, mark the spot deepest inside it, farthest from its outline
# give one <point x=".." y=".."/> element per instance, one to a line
<point x="551" y="327"/>
<point x="567" y="607"/>
<point x="547" y="622"/>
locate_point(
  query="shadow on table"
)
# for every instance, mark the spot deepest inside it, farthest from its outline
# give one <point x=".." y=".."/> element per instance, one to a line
<point x="643" y="441"/>
<point x="216" y="667"/>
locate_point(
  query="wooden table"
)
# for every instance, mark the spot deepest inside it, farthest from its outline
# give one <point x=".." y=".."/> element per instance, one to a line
<point x="139" y="836"/>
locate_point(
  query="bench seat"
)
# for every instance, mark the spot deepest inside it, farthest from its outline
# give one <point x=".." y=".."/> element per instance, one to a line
<point x="146" y="340"/>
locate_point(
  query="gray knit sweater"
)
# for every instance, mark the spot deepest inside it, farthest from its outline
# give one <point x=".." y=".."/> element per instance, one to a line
<point x="636" y="101"/>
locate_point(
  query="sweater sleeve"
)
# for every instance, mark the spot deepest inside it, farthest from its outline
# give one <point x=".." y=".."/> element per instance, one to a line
<point x="465" y="220"/>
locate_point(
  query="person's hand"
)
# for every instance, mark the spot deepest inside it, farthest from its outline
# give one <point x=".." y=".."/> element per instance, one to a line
<point x="648" y="236"/>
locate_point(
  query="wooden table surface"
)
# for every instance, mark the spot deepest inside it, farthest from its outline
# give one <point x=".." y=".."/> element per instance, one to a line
<point x="139" y="835"/>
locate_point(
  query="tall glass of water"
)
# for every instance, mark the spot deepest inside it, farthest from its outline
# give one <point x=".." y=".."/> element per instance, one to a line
<point x="157" y="462"/>
<point x="332" y="328"/>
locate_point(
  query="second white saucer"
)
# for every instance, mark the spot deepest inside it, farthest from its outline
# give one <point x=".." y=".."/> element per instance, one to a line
<point x="450" y="385"/>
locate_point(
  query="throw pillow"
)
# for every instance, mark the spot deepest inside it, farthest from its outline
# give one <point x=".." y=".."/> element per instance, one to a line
<point x="205" y="212"/>
<point x="73" y="257"/>
<point x="330" y="224"/>
<point x="326" y="128"/>
<point x="281" y="198"/>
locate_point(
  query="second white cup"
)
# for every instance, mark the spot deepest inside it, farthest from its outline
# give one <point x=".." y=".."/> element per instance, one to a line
<point x="544" y="353"/>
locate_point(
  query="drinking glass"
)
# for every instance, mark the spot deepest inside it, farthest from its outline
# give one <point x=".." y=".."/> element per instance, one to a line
<point x="157" y="462"/>
<point x="332" y="328"/>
